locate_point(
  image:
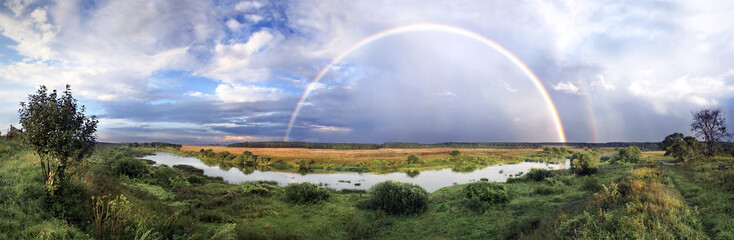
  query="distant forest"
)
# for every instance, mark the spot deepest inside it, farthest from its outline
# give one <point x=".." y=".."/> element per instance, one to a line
<point x="645" y="146"/>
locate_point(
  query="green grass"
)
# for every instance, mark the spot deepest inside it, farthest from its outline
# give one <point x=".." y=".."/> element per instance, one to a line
<point x="23" y="210"/>
<point x="710" y="192"/>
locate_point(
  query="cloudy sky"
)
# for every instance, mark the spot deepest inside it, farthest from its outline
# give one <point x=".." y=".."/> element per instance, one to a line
<point x="226" y="71"/>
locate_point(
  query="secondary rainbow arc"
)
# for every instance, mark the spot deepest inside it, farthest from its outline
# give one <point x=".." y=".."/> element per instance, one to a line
<point x="439" y="28"/>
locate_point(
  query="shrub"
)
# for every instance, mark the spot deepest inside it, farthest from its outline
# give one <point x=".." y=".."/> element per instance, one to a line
<point x="604" y="158"/>
<point x="455" y="153"/>
<point x="412" y="158"/>
<point x="630" y="154"/>
<point x="129" y="167"/>
<point x="304" y="164"/>
<point x="585" y="163"/>
<point x="254" y="188"/>
<point x="398" y="198"/>
<point x="487" y="192"/>
<point x="303" y="193"/>
<point x="591" y="184"/>
<point x="539" y="174"/>
<point x="163" y="175"/>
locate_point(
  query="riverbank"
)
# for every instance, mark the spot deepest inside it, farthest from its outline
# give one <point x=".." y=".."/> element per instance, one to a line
<point x="374" y="161"/>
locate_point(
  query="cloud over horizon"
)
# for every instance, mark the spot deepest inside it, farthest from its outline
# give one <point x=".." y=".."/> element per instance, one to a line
<point x="226" y="71"/>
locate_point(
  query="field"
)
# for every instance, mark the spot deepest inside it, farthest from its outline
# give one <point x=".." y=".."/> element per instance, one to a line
<point x="332" y="156"/>
<point x="621" y="201"/>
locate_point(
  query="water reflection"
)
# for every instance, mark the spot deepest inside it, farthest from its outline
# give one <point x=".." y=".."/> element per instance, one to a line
<point x="412" y="173"/>
<point x="431" y="180"/>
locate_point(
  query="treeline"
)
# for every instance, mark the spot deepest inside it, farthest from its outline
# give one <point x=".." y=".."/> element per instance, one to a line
<point x="305" y="145"/>
<point x="153" y="145"/>
<point x="405" y="145"/>
<point x="645" y="146"/>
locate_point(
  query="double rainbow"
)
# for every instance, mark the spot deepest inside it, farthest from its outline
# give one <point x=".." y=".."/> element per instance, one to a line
<point x="435" y="28"/>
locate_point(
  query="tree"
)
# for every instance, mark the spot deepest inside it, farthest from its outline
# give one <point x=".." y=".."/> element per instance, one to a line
<point x="681" y="147"/>
<point x="710" y="125"/>
<point x="57" y="129"/>
<point x="584" y="162"/>
<point x="630" y="154"/>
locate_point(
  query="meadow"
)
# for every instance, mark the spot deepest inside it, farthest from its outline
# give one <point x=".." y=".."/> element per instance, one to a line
<point x="337" y="156"/>
<point x="113" y="195"/>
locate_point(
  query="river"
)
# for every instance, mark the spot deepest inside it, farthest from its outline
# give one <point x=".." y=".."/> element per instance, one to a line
<point x="431" y="180"/>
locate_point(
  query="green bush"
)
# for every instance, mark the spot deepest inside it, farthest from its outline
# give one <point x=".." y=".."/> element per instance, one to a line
<point x="398" y="198"/>
<point x="304" y="193"/>
<point x="487" y="192"/>
<point x="585" y="163"/>
<point x="254" y="188"/>
<point x="130" y="167"/>
<point x="539" y="174"/>
<point x="412" y="159"/>
<point x="455" y="153"/>
<point x="164" y="176"/>
<point x="630" y="154"/>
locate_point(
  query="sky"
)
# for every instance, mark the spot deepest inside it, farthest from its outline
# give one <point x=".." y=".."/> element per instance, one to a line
<point x="213" y="72"/>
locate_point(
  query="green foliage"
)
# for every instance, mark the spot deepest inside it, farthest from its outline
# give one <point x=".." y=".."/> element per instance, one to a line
<point x="112" y="216"/>
<point x="489" y="192"/>
<point x="680" y="147"/>
<point x="254" y="188"/>
<point x="539" y="174"/>
<point x="58" y="132"/>
<point x="455" y="153"/>
<point x="305" y="193"/>
<point x="585" y="162"/>
<point x="630" y="154"/>
<point x="413" y="159"/>
<point x="304" y="164"/>
<point x="130" y="167"/>
<point x="398" y="198"/>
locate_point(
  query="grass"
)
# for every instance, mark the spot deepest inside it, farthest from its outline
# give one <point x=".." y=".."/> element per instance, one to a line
<point x="23" y="209"/>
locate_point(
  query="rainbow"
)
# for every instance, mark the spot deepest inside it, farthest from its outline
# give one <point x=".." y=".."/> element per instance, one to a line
<point x="436" y="28"/>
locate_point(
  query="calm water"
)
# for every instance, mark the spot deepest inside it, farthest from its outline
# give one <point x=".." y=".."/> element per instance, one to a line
<point x="431" y="180"/>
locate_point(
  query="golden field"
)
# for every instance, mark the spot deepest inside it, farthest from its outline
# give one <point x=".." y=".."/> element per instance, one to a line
<point x="337" y="156"/>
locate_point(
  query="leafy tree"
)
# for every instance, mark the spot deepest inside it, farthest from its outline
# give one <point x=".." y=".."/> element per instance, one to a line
<point x="710" y="125"/>
<point x="630" y="154"/>
<point x="57" y="129"/>
<point x="584" y="162"/>
<point x="681" y="147"/>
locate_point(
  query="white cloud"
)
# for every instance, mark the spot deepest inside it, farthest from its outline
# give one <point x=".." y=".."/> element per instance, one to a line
<point x="330" y="129"/>
<point x="566" y="87"/>
<point x="248" y="5"/>
<point x="246" y="93"/>
<point x="254" y="18"/>
<point x="508" y="87"/>
<point x="235" y="62"/>
<point x="602" y="83"/>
